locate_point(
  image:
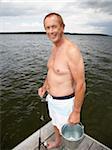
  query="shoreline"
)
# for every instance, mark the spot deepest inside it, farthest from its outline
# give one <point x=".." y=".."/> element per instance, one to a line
<point x="96" y="34"/>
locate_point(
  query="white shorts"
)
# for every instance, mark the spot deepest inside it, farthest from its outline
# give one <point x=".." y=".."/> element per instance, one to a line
<point x="59" y="110"/>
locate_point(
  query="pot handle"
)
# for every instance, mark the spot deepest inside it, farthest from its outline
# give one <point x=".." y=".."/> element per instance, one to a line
<point x="81" y="125"/>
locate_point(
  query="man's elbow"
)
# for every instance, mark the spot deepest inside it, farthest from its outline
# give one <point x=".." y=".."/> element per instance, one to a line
<point x="82" y="87"/>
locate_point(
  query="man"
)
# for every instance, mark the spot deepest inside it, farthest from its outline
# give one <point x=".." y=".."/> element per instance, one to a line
<point x="65" y="81"/>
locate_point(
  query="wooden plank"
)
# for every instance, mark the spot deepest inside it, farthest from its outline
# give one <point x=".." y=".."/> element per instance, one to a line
<point x="47" y="133"/>
<point x="32" y="141"/>
<point x="85" y="144"/>
<point x="96" y="146"/>
<point x="97" y="143"/>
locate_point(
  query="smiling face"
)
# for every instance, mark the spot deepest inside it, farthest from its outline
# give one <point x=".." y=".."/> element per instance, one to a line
<point x="54" y="28"/>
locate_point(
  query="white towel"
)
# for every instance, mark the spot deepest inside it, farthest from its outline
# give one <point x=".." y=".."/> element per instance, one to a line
<point x="59" y="110"/>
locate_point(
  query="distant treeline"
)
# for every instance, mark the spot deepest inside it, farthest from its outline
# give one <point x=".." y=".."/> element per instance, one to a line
<point x="45" y="33"/>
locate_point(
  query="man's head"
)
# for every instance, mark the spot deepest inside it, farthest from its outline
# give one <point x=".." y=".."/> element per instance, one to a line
<point x="58" y="17"/>
<point x="54" y="26"/>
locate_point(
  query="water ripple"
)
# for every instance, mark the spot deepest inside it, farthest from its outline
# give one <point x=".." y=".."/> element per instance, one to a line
<point x="23" y="62"/>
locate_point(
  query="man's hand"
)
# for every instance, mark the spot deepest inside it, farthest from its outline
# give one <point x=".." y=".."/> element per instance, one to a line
<point x="74" y="118"/>
<point x="41" y="91"/>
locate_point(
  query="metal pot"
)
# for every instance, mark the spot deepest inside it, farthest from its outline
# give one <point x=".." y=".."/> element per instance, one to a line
<point x="73" y="132"/>
<point x="72" y="135"/>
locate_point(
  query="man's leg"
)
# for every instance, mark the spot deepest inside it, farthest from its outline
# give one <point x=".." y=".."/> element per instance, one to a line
<point x="57" y="142"/>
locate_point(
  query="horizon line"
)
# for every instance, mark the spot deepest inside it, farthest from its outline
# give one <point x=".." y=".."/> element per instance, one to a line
<point x="41" y="32"/>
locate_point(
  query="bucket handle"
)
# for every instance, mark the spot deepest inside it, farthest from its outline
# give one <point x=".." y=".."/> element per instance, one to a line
<point x="81" y="125"/>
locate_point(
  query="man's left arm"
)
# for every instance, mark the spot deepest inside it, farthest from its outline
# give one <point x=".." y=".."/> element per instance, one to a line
<point x="76" y="66"/>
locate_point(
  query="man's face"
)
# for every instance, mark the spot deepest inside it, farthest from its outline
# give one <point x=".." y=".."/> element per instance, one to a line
<point x="54" y="28"/>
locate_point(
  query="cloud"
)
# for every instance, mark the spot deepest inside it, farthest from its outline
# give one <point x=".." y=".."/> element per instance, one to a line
<point x="104" y="6"/>
<point x="28" y="8"/>
<point x="19" y="9"/>
<point x="79" y="16"/>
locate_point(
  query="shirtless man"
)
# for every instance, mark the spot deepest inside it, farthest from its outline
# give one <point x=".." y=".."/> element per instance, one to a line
<point x="65" y="79"/>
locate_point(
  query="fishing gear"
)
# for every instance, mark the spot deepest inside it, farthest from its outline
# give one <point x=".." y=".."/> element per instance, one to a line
<point x="41" y="120"/>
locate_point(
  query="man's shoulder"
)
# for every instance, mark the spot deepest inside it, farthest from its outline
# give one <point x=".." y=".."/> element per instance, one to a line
<point x="72" y="48"/>
<point x="73" y="53"/>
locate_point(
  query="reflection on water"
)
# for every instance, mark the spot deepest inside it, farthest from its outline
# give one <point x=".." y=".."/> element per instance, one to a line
<point x="22" y="70"/>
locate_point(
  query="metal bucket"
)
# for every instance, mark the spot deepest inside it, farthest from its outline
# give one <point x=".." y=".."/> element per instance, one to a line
<point x="72" y="134"/>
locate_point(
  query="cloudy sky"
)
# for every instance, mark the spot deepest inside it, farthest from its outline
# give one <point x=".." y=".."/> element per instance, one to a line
<point x="80" y="16"/>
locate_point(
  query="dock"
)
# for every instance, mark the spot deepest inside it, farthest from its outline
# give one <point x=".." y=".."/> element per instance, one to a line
<point x="47" y="134"/>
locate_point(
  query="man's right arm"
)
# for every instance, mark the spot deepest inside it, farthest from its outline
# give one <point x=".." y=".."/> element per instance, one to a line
<point x="43" y="89"/>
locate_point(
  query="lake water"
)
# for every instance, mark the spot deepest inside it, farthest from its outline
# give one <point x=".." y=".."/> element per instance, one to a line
<point x="23" y="59"/>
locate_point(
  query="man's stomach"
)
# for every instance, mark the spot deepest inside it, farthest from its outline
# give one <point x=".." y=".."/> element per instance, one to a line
<point x="60" y="84"/>
<point x="60" y="89"/>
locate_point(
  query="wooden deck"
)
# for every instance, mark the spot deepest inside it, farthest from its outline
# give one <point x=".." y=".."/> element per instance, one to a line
<point x="31" y="143"/>
<point x="87" y="143"/>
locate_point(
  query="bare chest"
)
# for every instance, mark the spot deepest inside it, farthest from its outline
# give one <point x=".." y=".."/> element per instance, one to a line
<point x="58" y="63"/>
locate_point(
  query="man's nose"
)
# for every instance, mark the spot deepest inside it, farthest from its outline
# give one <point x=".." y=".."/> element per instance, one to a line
<point x="51" y="30"/>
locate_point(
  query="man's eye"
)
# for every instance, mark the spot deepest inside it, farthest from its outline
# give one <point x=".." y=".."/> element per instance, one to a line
<point x="54" y="26"/>
<point x="47" y="28"/>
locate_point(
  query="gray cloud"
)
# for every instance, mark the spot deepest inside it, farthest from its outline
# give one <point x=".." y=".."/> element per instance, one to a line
<point x="28" y="8"/>
<point x="9" y="9"/>
<point x="101" y="23"/>
<point x="106" y="26"/>
<point x="100" y="6"/>
<point x="93" y="15"/>
<point x="20" y="9"/>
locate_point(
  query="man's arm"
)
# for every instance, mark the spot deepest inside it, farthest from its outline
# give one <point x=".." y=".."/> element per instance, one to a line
<point x="43" y="89"/>
<point x="76" y="66"/>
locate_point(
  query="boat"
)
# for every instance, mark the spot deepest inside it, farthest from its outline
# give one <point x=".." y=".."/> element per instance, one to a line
<point x="46" y="133"/>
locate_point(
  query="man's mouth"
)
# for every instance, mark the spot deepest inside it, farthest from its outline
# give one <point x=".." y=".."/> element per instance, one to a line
<point x="52" y="36"/>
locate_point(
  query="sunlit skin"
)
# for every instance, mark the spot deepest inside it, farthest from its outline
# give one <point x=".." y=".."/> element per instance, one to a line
<point x="65" y="71"/>
<point x="54" y="29"/>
